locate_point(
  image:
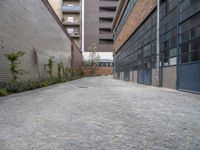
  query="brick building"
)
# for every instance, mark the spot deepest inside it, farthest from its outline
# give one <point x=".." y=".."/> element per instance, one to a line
<point x="176" y="64"/>
<point x="33" y="27"/>
<point x="98" y="17"/>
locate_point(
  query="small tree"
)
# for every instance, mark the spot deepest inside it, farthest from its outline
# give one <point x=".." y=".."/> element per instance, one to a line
<point x="93" y="58"/>
<point x="13" y="58"/>
<point x="60" y="68"/>
<point x="50" y="66"/>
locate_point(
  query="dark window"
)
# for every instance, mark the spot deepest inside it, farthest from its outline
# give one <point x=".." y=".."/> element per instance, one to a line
<point x="190" y="34"/>
<point x="105" y="41"/>
<point x="185" y="48"/>
<point x="184" y="58"/>
<point x="105" y="31"/>
<point x="195" y="56"/>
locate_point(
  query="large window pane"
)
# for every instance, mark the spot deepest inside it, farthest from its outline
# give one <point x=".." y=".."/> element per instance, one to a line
<point x="195" y="44"/>
<point x="184" y="58"/>
<point x="185" y="48"/>
<point x="195" y="56"/>
<point x="185" y="36"/>
<point x="195" y="31"/>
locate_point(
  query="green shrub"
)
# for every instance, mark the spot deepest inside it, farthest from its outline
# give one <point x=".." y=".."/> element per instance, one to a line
<point x="59" y="67"/>
<point x="13" y="58"/>
<point x="3" y="92"/>
<point x="50" y="66"/>
<point x="20" y="86"/>
<point x="44" y="83"/>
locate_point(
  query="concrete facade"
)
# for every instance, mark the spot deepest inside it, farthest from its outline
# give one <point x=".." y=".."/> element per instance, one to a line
<point x="98" y="20"/>
<point x="77" y="57"/>
<point x="169" y="77"/>
<point x="30" y="27"/>
<point x="72" y="18"/>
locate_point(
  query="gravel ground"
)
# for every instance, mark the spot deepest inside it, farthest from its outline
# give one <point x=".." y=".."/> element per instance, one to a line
<point x="100" y="113"/>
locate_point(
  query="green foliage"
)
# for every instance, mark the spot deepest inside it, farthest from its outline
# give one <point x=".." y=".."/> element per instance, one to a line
<point x="3" y="92"/>
<point x="44" y="83"/>
<point x="94" y="58"/>
<point x="50" y="66"/>
<point x="59" y="67"/>
<point x="67" y="73"/>
<point x="20" y="86"/>
<point x="13" y="58"/>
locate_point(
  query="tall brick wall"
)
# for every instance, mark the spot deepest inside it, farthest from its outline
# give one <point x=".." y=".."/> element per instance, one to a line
<point x="77" y="57"/>
<point x="99" y="71"/>
<point x="139" y="13"/>
<point x="27" y="25"/>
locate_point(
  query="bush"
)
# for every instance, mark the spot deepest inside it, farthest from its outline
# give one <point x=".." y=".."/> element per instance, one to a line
<point x="44" y="83"/>
<point x="20" y="86"/>
<point x="13" y="58"/>
<point x="3" y="92"/>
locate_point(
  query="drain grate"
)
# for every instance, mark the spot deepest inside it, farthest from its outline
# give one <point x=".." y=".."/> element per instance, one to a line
<point x="83" y="87"/>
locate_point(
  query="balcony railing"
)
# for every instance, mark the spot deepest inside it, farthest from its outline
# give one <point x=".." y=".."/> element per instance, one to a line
<point x="71" y="8"/>
<point x="109" y="3"/>
<point x="70" y="23"/>
<point x="75" y="34"/>
<point x="106" y="14"/>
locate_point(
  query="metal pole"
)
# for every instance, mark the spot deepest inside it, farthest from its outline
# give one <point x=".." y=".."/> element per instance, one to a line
<point x="158" y="45"/>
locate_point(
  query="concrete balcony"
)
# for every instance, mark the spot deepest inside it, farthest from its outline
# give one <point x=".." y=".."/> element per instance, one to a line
<point x="108" y="3"/>
<point x="71" y="9"/>
<point x="106" y="14"/>
<point x="74" y="23"/>
<point x="105" y="36"/>
<point x="75" y="34"/>
<point x="105" y="25"/>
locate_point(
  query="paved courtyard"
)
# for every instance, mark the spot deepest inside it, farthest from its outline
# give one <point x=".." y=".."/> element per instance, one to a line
<point x="100" y="113"/>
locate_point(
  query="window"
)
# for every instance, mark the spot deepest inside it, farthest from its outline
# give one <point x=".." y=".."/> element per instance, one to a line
<point x="70" y="19"/>
<point x="105" y="31"/>
<point x="105" y="41"/>
<point x="105" y="20"/>
<point x="190" y="40"/>
<point x="70" y="30"/>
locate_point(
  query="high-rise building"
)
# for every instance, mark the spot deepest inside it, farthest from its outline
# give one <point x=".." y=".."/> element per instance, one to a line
<point x="72" y="19"/>
<point x="168" y="58"/>
<point x="69" y="12"/>
<point x="98" y="18"/>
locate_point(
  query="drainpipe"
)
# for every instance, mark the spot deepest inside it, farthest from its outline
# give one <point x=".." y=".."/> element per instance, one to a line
<point x="158" y="45"/>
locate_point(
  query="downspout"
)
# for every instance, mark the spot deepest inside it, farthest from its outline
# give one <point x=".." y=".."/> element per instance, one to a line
<point x="158" y="46"/>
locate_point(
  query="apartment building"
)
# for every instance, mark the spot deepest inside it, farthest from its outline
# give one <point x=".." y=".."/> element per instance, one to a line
<point x="98" y="18"/>
<point x="71" y="19"/>
<point x="174" y="61"/>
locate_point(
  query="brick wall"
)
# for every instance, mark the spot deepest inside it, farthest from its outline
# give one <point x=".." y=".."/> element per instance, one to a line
<point x="99" y="71"/>
<point x="139" y="13"/>
<point x="77" y="57"/>
<point x="27" y="25"/>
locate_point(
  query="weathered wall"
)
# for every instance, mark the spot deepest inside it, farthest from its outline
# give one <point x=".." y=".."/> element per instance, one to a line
<point x="99" y="71"/>
<point x="77" y="57"/>
<point x="169" y="77"/>
<point x="27" y="25"/>
<point x="139" y="13"/>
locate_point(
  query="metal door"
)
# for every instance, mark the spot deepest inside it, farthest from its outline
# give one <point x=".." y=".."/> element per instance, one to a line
<point x="144" y="76"/>
<point x="189" y="77"/>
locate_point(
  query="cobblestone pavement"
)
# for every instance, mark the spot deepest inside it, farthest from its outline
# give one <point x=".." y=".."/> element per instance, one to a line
<point x="100" y="113"/>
